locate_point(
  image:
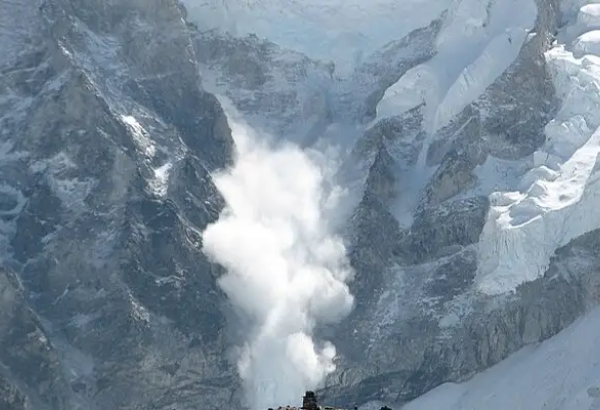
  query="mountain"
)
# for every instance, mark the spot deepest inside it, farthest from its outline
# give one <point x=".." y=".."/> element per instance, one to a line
<point x="107" y="302"/>
<point x="463" y="134"/>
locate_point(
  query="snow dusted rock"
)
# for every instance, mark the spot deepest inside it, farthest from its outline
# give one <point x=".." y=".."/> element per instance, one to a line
<point x="31" y="373"/>
<point x="107" y="138"/>
<point x="281" y="91"/>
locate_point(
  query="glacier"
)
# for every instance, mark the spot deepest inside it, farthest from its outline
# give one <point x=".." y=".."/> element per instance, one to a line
<point x="556" y="199"/>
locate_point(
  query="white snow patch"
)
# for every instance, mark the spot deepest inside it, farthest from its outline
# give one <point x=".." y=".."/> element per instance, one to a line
<point x="71" y="191"/>
<point x="582" y="16"/>
<point x="342" y="31"/>
<point x="138" y="311"/>
<point x="587" y="43"/>
<point x="560" y="373"/>
<point x="557" y="200"/>
<point x="480" y="40"/>
<point x="499" y="175"/>
<point x="449" y="320"/>
<point x="160" y="183"/>
<point x="411" y="184"/>
<point x="589" y="15"/>
<point x="140" y="136"/>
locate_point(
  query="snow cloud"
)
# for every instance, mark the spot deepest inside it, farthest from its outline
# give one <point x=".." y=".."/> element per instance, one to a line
<point x="286" y="271"/>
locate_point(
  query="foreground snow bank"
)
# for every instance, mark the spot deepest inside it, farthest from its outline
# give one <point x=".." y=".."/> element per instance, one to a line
<point x="557" y="200"/>
<point x="560" y="373"/>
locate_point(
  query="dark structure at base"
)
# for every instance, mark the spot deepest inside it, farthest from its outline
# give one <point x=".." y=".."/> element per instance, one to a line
<point x="309" y="402"/>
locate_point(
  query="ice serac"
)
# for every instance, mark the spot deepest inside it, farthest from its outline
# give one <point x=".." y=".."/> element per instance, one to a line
<point x="478" y="42"/>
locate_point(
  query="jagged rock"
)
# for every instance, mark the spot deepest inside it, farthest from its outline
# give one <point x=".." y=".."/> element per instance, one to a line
<point x="28" y="357"/>
<point x="458" y="223"/>
<point x="514" y="122"/>
<point x="401" y="136"/>
<point x="455" y="172"/>
<point x="11" y="397"/>
<point x="120" y="308"/>
<point x="383" y="68"/>
<point x="376" y="235"/>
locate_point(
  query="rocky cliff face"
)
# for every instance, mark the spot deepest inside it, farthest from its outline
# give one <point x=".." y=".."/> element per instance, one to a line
<point x="108" y="139"/>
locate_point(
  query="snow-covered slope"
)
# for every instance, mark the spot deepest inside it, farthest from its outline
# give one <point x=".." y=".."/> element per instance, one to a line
<point x="478" y="42"/>
<point x="14" y="27"/>
<point x="562" y="373"/>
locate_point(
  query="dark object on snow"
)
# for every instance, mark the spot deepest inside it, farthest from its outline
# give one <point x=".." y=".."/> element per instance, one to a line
<point x="309" y="401"/>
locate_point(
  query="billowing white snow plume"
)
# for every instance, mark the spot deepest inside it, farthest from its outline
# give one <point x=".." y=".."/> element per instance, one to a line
<point x="285" y="271"/>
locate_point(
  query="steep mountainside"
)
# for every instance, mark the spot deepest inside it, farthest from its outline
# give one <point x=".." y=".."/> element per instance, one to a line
<point x="107" y="138"/>
<point x="464" y="135"/>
